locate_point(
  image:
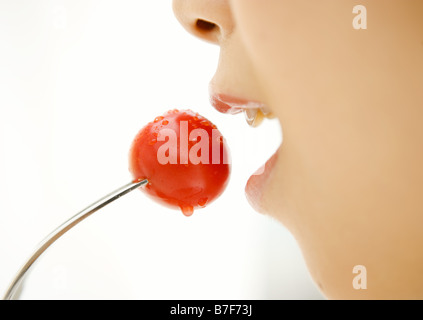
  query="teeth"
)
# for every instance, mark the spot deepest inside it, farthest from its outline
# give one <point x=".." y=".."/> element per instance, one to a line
<point x="265" y="110"/>
<point x="250" y="115"/>
<point x="254" y="116"/>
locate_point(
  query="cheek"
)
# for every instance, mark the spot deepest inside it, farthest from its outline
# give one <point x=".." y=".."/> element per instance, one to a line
<point x="345" y="169"/>
<point x="299" y="49"/>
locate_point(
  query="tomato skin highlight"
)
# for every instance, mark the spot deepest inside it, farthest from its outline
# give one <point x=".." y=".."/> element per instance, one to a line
<point x="182" y="184"/>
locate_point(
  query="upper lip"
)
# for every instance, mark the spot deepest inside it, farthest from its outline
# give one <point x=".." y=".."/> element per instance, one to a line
<point x="232" y="105"/>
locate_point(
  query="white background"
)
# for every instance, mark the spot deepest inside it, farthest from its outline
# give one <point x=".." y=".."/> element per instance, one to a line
<point x="78" y="79"/>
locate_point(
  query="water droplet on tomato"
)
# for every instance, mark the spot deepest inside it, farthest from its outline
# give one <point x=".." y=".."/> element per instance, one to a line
<point x="202" y="202"/>
<point x="187" y="210"/>
<point x="158" y="118"/>
<point x="165" y="122"/>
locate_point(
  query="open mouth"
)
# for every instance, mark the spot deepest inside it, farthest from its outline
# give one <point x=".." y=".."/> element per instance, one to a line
<point x="255" y="112"/>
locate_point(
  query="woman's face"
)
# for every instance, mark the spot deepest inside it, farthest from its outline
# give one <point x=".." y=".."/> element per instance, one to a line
<point x="347" y="179"/>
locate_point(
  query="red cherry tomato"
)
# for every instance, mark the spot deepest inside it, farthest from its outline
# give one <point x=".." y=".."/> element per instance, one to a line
<point x="185" y="159"/>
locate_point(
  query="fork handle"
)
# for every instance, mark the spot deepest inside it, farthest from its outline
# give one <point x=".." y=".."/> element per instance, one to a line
<point x="14" y="288"/>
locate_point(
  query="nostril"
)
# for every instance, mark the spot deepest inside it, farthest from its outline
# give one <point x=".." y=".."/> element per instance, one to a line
<point x="203" y="25"/>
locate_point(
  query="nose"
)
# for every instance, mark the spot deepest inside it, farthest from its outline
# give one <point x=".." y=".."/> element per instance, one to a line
<point x="209" y="20"/>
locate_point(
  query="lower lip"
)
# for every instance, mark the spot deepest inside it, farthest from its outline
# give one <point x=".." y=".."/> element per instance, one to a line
<point x="256" y="185"/>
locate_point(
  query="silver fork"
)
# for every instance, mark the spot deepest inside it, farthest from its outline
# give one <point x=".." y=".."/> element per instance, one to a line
<point x="17" y="283"/>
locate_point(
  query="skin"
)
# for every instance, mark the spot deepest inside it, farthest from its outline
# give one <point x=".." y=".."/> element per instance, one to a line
<point x="348" y="179"/>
